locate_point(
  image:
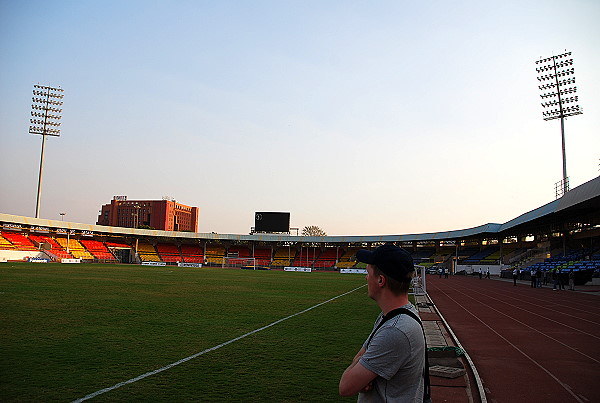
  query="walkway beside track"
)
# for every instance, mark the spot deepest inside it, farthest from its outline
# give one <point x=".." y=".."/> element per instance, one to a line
<point x="528" y="345"/>
<point x="452" y="377"/>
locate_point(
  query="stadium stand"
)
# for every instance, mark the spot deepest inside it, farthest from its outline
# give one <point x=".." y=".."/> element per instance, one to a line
<point x="169" y="252"/>
<point x="501" y="245"/>
<point x="347" y="260"/>
<point x="262" y="256"/>
<point x="147" y="252"/>
<point x="192" y="254"/>
<point x="306" y="257"/>
<point x="237" y="255"/>
<point x="283" y="257"/>
<point x="495" y="257"/>
<point x="239" y="250"/>
<point x="98" y="249"/>
<point x="423" y="256"/>
<point x="466" y="253"/>
<point x="121" y="245"/>
<point x="585" y="264"/>
<point x="214" y="254"/>
<point x="482" y="255"/>
<point x="55" y="248"/>
<point x="19" y="241"/>
<point x="5" y="243"/>
<point x="586" y="259"/>
<point x="442" y="254"/>
<point x="75" y="248"/>
<point x="327" y="258"/>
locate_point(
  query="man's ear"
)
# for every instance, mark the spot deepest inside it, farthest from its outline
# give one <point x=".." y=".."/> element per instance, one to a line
<point x="381" y="280"/>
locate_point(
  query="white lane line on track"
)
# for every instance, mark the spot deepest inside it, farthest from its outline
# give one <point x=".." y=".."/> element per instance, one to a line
<point x="564" y="385"/>
<point x="537" y="330"/>
<point x="589" y="299"/>
<point x="191" y="357"/>
<point x="537" y="314"/>
<point x="551" y="305"/>
<point x="469" y="291"/>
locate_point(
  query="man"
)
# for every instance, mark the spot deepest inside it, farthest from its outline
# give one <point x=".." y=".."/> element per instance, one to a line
<point x="571" y="280"/>
<point x="389" y="366"/>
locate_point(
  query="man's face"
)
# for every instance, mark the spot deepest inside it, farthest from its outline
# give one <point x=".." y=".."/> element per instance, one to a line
<point x="372" y="281"/>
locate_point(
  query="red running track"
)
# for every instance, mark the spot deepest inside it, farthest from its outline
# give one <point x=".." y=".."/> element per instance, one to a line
<point x="528" y="345"/>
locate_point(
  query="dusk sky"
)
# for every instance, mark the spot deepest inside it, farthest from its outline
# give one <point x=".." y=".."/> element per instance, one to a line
<point x="360" y="117"/>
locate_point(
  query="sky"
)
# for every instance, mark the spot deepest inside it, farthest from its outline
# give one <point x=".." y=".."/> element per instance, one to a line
<point x="360" y="117"/>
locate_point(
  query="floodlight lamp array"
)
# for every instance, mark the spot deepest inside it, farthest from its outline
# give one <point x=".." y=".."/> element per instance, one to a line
<point x="553" y="58"/>
<point x="562" y="101"/>
<point x="556" y="74"/>
<point x="45" y="111"/>
<point x="567" y="81"/>
<point x="562" y="112"/>
<point x="569" y="90"/>
<point x="551" y="67"/>
<point x="555" y="88"/>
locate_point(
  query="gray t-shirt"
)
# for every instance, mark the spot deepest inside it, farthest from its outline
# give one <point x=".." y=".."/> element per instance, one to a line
<point x="397" y="354"/>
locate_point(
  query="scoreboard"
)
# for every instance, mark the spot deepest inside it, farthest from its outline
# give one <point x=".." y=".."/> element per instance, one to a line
<point x="271" y="222"/>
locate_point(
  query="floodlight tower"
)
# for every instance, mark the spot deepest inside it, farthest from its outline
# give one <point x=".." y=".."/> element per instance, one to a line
<point x="45" y="116"/>
<point x="557" y="81"/>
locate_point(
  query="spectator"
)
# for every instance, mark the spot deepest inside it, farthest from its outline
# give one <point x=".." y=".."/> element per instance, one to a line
<point x="390" y="365"/>
<point x="556" y="277"/>
<point x="571" y="280"/>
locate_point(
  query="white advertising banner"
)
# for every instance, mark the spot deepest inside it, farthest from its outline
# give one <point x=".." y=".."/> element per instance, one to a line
<point x="356" y="271"/>
<point x="37" y="260"/>
<point x="181" y="264"/>
<point x="70" y="260"/>
<point x="154" y="264"/>
<point x="304" y="269"/>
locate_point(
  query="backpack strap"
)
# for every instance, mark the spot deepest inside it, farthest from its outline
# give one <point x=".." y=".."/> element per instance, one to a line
<point x="396" y="312"/>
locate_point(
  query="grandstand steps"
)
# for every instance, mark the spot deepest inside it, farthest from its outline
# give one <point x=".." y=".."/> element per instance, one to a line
<point x="19" y="241"/>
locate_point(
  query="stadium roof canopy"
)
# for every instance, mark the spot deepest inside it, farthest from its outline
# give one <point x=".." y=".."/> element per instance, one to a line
<point x="579" y="207"/>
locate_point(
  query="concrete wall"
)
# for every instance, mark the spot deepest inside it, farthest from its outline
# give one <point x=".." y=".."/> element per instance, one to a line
<point x="21" y="255"/>
<point x="495" y="270"/>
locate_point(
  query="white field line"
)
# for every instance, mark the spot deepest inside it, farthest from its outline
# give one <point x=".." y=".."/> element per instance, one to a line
<point x="191" y="357"/>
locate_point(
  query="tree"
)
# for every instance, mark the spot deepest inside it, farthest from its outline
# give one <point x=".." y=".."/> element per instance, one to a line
<point x="313" y="230"/>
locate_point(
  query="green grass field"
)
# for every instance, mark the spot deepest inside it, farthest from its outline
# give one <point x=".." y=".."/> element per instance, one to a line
<point x="71" y="330"/>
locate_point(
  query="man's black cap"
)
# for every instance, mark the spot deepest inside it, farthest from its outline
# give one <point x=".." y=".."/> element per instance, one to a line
<point x="390" y="259"/>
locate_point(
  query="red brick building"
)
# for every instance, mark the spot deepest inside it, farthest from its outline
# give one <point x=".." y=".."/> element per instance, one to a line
<point x="167" y="215"/>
